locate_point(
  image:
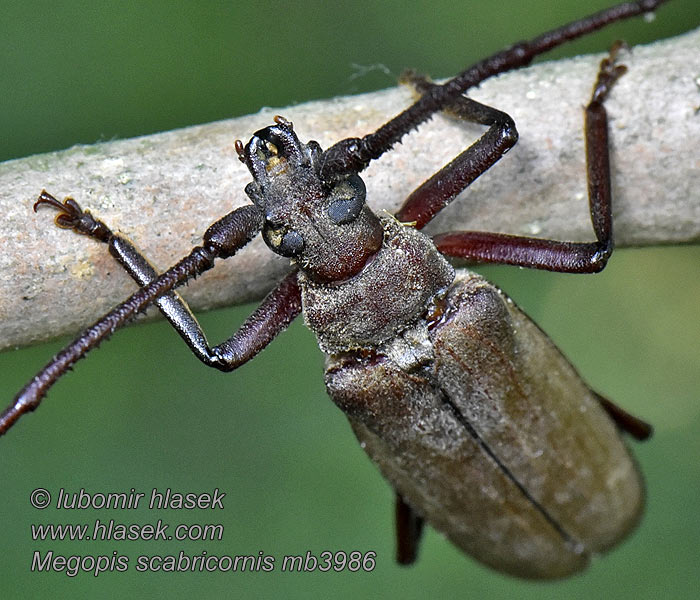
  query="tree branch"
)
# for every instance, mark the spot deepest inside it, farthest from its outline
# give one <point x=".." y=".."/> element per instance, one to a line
<point x="164" y="190"/>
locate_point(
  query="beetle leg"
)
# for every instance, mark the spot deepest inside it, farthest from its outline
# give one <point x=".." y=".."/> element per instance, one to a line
<point x="551" y="255"/>
<point x="438" y="191"/>
<point x="409" y="527"/>
<point x="275" y="312"/>
<point x="638" y="429"/>
<point x="222" y="240"/>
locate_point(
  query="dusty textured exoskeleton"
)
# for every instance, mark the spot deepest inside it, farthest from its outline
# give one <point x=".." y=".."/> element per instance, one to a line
<point x="479" y="423"/>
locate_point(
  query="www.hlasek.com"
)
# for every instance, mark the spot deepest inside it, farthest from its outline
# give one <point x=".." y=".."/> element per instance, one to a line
<point x="204" y="562"/>
<point x="157" y="530"/>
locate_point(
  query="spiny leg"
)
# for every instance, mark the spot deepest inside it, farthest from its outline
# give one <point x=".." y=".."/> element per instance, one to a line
<point x="222" y="240"/>
<point x="71" y="216"/>
<point x="275" y="312"/>
<point x="566" y="257"/>
<point x="352" y="155"/>
<point x="445" y="185"/>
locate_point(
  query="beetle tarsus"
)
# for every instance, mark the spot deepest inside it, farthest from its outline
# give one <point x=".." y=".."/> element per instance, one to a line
<point x="72" y="216"/>
<point x="608" y="73"/>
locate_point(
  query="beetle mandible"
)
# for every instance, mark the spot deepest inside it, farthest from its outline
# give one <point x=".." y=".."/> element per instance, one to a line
<point x="480" y="424"/>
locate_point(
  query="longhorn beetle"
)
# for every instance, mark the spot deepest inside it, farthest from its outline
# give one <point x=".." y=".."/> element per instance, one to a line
<point x="480" y="424"/>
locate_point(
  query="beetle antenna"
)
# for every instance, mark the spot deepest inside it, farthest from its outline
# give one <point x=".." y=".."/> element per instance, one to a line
<point x="353" y="155"/>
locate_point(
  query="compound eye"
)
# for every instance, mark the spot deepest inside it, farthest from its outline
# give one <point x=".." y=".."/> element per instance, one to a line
<point x="292" y="244"/>
<point x="348" y="199"/>
<point x="285" y="243"/>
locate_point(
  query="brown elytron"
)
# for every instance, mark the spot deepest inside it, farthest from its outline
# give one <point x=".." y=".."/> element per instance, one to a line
<point x="479" y="423"/>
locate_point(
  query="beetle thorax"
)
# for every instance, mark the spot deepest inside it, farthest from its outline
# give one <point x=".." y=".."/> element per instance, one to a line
<point x="389" y="295"/>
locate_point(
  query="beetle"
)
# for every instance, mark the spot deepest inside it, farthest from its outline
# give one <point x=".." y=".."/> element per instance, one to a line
<point x="270" y="155"/>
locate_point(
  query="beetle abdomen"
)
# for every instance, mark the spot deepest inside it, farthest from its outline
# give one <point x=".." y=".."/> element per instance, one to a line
<point x="497" y="442"/>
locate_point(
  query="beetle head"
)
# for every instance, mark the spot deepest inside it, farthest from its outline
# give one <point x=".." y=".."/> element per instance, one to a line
<point x="325" y="227"/>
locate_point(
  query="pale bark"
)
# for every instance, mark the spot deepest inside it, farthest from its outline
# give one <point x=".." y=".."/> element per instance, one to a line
<point x="164" y="190"/>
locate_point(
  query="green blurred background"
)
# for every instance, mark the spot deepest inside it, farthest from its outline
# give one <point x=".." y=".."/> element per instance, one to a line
<point x="143" y="413"/>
